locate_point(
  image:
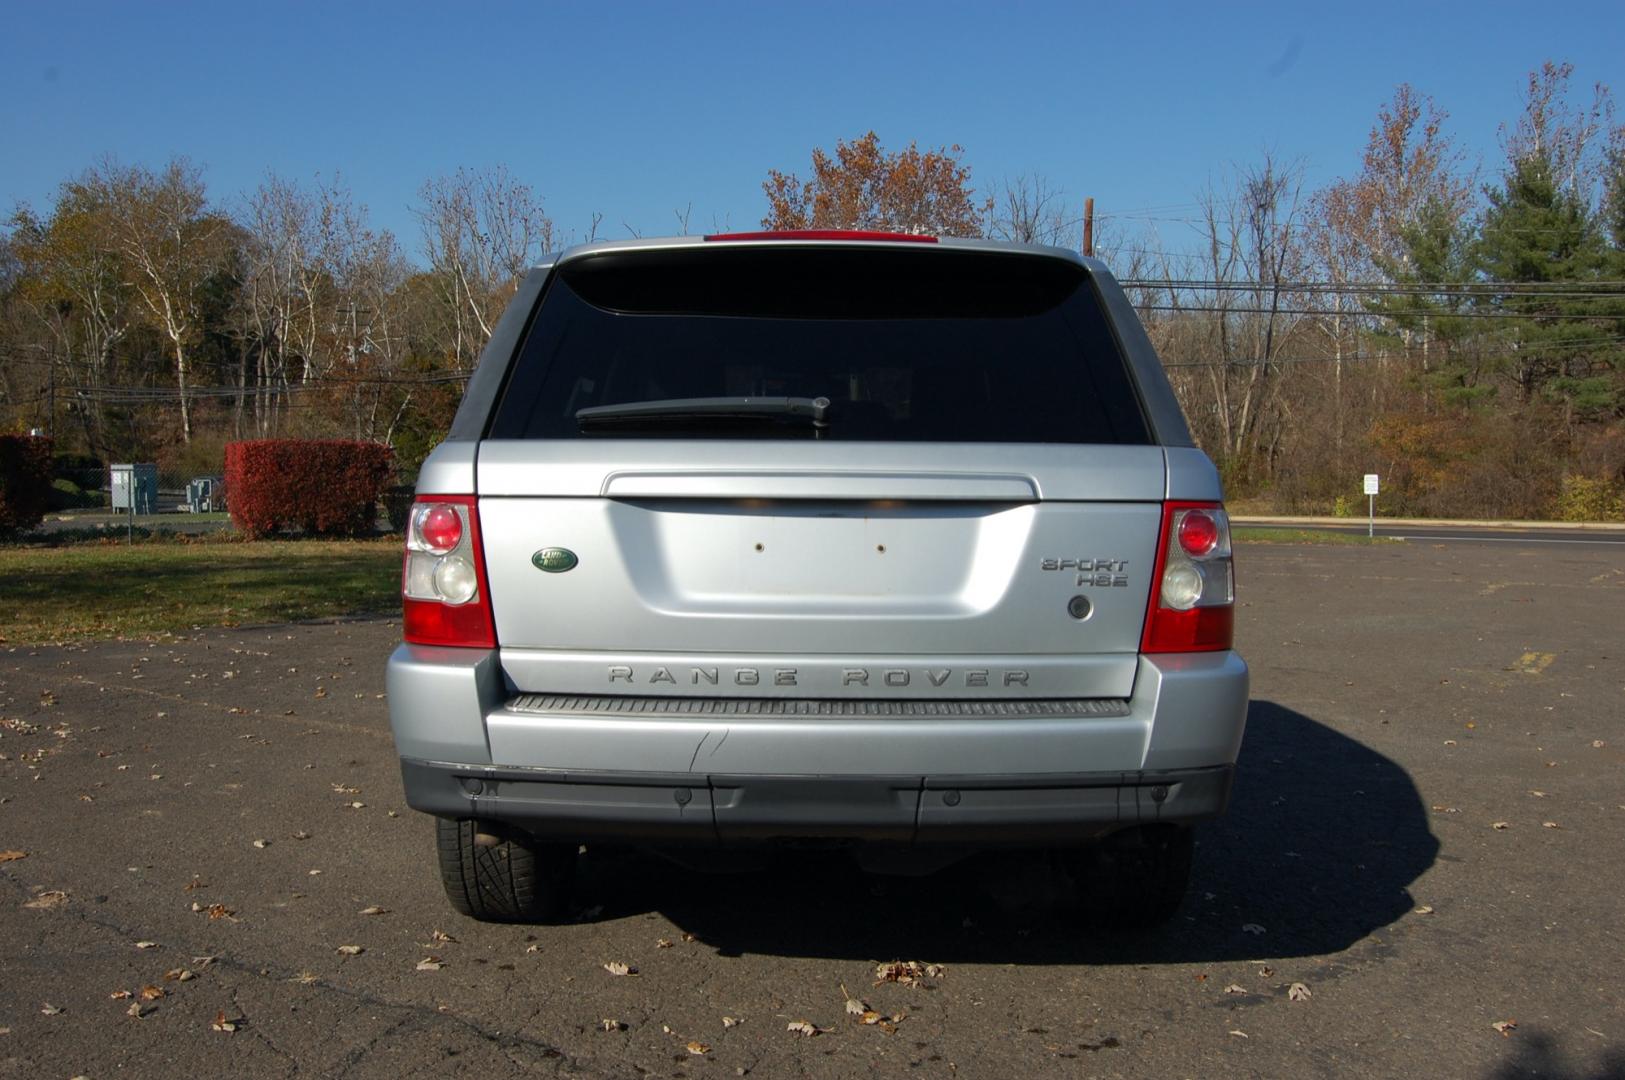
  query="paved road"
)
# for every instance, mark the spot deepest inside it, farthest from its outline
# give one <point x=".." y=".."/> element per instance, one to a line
<point x="1406" y="699"/>
<point x="1480" y="534"/>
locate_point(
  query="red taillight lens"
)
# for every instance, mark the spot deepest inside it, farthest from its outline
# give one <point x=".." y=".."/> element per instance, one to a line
<point x="439" y="527"/>
<point x="1192" y="605"/>
<point x="1198" y="533"/>
<point x="825" y="234"/>
<point x="445" y="598"/>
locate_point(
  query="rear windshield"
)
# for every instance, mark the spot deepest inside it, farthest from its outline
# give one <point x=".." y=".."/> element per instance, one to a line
<point x="907" y="345"/>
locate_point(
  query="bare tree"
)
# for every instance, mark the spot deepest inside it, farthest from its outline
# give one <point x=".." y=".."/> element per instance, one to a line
<point x="1028" y="210"/>
<point x="481" y="230"/>
<point x="1251" y="232"/>
<point x="1562" y="135"/>
<point x="160" y="224"/>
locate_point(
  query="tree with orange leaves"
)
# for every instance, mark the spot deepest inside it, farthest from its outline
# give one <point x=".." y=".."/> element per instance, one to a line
<point x="864" y="187"/>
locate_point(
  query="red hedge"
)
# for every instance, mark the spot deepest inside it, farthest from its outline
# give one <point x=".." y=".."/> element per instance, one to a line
<point x="324" y="486"/>
<point x="25" y="481"/>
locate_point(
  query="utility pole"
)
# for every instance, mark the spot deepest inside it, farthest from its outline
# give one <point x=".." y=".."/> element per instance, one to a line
<point x="50" y="398"/>
<point x="1089" y="227"/>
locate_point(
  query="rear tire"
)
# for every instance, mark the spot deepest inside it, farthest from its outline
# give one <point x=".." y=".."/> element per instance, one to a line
<point x="516" y="879"/>
<point x="1135" y="878"/>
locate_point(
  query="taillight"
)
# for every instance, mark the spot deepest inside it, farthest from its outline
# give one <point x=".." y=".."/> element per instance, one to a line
<point x="1193" y="591"/>
<point x="444" y="595"/>
<point x="439" y="527"/>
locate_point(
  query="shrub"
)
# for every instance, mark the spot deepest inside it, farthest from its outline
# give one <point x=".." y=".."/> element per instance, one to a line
<point x="25" y="482"/>
<point x="1584" y="498"/>
<point x="329" y="487"/>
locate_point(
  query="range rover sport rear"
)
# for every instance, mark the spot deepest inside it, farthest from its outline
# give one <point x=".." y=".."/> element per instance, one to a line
<point x="881" y="541"/>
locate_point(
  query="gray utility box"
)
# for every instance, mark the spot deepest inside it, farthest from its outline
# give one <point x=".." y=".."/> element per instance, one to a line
<point x="134" y="487"/>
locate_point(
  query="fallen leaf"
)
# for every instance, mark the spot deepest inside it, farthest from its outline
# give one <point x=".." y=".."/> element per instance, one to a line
<point x="51" y="1010"/>
<point x="222" y="1024"/>
<point x="698" y="1048"/>
<point x="802" y="1028"/>
<point x="1265" y="971"/>
<point x="1238" y="1033"/>
<point x="1298" y="992"/>
<point x="1596" y="744"/>
<point x="262" y="843"/>
<point x="1505" y="1027"/>
<point x="611" y="1025"/>
<point x="12" y="856"/>
<point x="1537" y="794"/>
<point x="374" y="910"/>
<point x="136" y="1009"/>
<point x="1550" y="825"/>
<point x="146" y="944"/>
<point x="615" y="967"/>
<point x="350" y="950"/>
<point x="358" y="806"/>
<point x="854" y="1007"/>
<point x="178" y="975"/>
<point x="662" y="943"/>
<point x="219" y="911"/>
<point x="731" y="1021"/>
<point x="151" y="993"/>
<point x="443" y="938"/>
<point x="907" y="972"/>
<point x="120" y="995"/>
<point x="45" y="901"/>
<point x="1425" y="909"/>
<point x="1235" y="988"/>
<point x="301" y="835"/>
<point x="1501" y="826"/>
<point x="430" y="963"/>
<point x="686" y="936"/>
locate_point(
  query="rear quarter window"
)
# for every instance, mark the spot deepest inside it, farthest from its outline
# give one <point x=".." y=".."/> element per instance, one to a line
<point x="930" y="345"/>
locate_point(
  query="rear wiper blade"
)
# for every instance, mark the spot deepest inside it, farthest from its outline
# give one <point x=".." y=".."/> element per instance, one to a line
<point x="685" y="410"/>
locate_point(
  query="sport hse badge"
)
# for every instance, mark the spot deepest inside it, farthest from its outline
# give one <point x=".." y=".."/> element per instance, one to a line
<point x="554" y="560"/>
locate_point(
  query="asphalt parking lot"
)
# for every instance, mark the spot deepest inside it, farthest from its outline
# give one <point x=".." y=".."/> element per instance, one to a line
<point x="1420" y="874"/>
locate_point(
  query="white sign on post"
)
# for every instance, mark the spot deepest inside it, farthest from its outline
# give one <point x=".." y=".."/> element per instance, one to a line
<point x="1370" y="503"/>
<point x="1370" y="483"/>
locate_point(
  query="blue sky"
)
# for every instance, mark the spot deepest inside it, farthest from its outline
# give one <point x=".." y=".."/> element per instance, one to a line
<point x="637" y="109"/>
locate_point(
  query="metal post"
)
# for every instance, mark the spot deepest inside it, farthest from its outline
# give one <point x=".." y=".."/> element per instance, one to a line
<point x="1370" y="516"/>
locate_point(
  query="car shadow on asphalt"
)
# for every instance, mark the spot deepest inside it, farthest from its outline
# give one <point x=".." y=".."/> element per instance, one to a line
<point x="1322" y="841"/>
<point x="1538" y="1054"/>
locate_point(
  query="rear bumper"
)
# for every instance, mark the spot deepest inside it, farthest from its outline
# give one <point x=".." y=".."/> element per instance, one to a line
<point x="985" y="773"/>
<point x="1185" y="711"/>
<point x="721" y="809"/>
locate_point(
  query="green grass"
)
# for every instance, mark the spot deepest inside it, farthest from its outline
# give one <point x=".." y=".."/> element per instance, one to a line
<point x="149" y="589"/>
<point x="1264" y="534"/>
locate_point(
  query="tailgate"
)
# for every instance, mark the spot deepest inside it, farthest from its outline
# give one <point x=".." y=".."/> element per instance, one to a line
<point x="820" y="570"/>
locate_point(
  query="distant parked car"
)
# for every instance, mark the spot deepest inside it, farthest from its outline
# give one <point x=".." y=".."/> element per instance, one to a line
<point x="860" y="540"/>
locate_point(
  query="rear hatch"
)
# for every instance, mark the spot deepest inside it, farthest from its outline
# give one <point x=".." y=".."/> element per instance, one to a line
<point x="973" y="512"/>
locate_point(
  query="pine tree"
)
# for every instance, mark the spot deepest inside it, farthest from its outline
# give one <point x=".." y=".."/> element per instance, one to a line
<point x="1561" y="346"/>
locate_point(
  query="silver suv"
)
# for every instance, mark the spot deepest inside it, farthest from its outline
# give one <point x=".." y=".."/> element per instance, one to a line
<point x="876" y="541"/>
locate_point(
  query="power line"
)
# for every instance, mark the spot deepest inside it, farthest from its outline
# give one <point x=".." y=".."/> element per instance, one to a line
<point x="1598" y="290"/>
<point x="1418" y="313"/>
